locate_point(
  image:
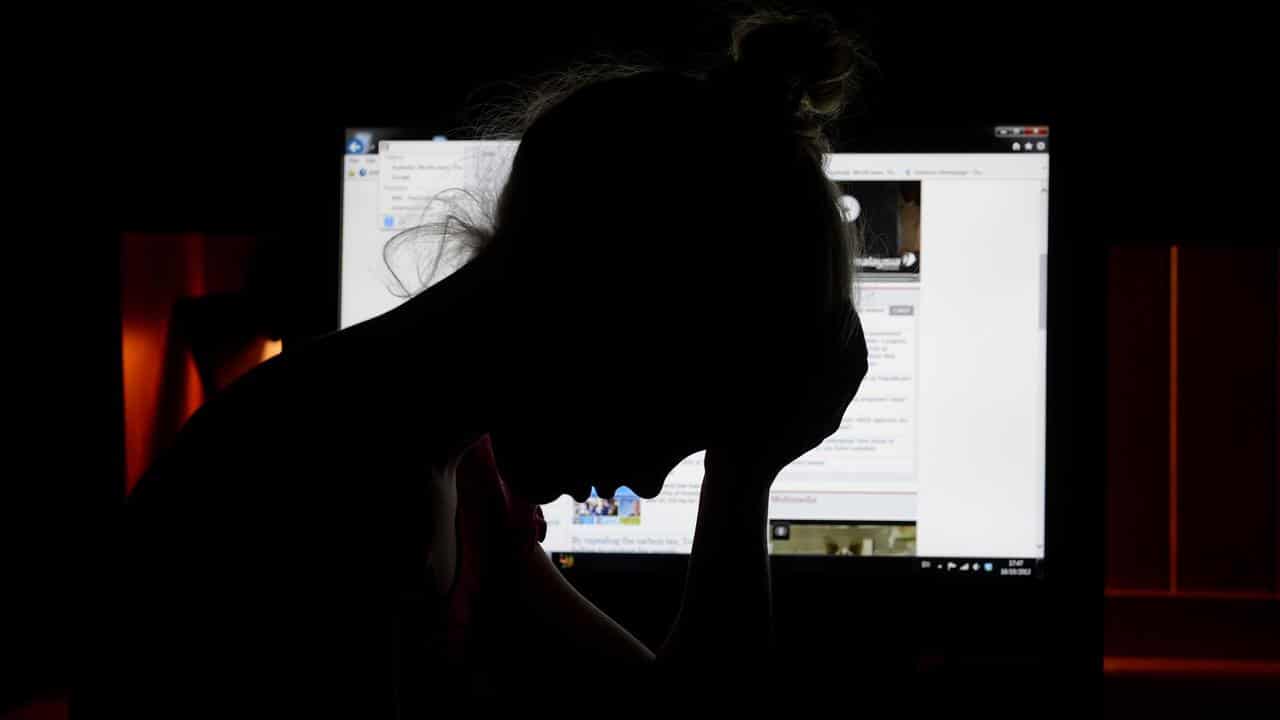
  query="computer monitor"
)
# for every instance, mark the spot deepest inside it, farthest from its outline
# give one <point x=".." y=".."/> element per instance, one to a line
<point x="939" y="467"/>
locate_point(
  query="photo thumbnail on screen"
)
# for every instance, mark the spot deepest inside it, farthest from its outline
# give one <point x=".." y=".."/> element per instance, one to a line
<point x="884" y="219"/>
<point x="621" y="509"/>
<point x="791" y="537"/>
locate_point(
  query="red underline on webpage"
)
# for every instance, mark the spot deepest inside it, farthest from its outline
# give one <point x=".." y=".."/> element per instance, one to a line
<point x="845" y="492"/>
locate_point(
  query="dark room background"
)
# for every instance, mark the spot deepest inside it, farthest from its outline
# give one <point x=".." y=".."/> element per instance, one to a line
<point x="213" y="133"/>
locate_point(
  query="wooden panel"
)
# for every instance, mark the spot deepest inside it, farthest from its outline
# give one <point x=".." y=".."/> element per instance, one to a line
<point x="1137" y="418"/>
<point x="161" y="386"/>
<point x="1226" y="495"/>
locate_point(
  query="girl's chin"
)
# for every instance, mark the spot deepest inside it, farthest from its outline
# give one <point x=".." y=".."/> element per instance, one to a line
<point x="540" y="495"/>
<point x="579" y="493"/>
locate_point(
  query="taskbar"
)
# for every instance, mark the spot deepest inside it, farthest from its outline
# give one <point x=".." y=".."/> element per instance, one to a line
<point x="936" y="569"/>
<point x="980" y="567"/>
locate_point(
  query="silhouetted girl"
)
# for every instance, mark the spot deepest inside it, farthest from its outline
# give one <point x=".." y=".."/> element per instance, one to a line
<point x="352" y="529"/>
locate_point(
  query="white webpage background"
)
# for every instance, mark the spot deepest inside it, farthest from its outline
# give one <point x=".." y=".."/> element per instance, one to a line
<point x="982" y="371"/>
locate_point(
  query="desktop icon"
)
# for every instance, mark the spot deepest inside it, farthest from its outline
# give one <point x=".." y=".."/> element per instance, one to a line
<point x="360" y="143"/>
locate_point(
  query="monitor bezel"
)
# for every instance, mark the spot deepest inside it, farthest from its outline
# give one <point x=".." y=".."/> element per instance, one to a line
<point x="1061" y="420"/>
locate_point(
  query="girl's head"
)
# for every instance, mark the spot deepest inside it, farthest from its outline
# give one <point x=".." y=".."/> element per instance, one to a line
<point x="670" y="250"/>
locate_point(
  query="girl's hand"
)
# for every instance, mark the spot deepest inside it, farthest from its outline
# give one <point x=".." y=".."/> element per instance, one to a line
<point x="790" y="423"/>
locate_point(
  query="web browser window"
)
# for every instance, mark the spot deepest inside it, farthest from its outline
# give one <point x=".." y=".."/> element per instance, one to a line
<point x="940" y="458"/>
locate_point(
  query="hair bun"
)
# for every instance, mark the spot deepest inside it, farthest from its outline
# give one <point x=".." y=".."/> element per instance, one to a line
<point x="815" y="60"/>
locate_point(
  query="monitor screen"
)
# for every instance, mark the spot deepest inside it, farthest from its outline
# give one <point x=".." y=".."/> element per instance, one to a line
<point x="940" y="459"/>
